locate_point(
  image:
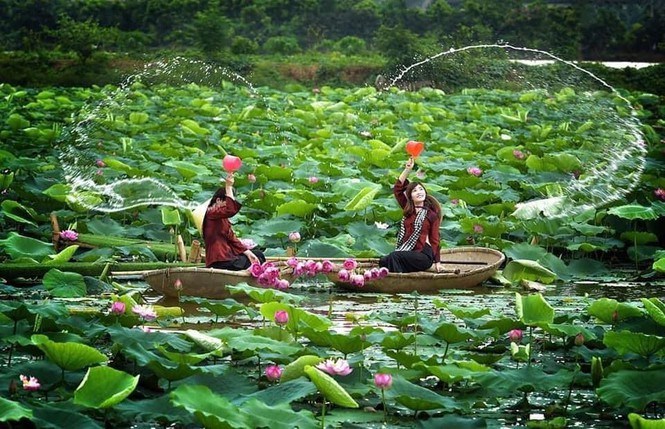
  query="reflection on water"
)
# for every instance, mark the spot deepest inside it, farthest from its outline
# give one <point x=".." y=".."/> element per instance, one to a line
<point x="344" y="307"/>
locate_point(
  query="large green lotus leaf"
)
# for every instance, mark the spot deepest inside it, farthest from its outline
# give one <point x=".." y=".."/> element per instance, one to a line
<point x="297" y="316"/>
<point x="63" y="415"/>
<point x="632" y="388"/>
<point x="258" y="294"/>
<point x="104" y="387"/>
<point x="220" y="308"/>
<point x="656" y="309"/>
<point x="170" y="216"/>
<point x="279" y="416"/>
<point x="64" y="256"/>
<point x="396" y="340"/>
<point x="166" y="370"/>
<point x="639" y="237"/>
<point x="634" y="342"/>
<point x="211" y="410"/>
<point x="273" y="172"/>
<point x="454" y="372"/>
<point x="566" y="330"/>
<point x="639" y="422"/>
<point x="188" y="170"/>
<point x="363" y="199"/>
<point x="297" y="368"/>
<point x="329" y="388"/>
<point x="58" y="192"/>
<point x="419" y="398"/>
<point x="207" y="342"/>
<point x="275" y="227"/>
<point x="108" y="227"/>
<point x="121" y="166"/>
<point x="474" y="198"/>
<point x="64" y="284"/>
<point x="525" y="379"/>
<point x="612" y="311"/>
<point x="633" y="211"/>
<point x="322" y="250"/>
<point x="17" y="246"/>
<point x="525" y="269"/>
<point x="343" y="343"/>
<point x="533" y="309"/>
<point x="298" y="208"/>
<point x="451" y="333"/>
<point x="249" y="342"/>
<point x="659" y="265"/>
<point x="463" y="313"/>
<point x="183" y="358"/>
<point x="10" y="410"/>
<point x="68" y="356"/>
<point x="193" y="127"/>
<point x="18" y="212"/>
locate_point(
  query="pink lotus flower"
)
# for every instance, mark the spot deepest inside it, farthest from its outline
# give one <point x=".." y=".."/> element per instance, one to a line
<point x="454" y="201"/>
<point x="69" y="234"/>
<point x="292" y="262"/>
<point x="30" y="383"/>
<point x="281" y="317"/>
<point x="515" y="335"/>
<point x="313" y="180"/>
<point x="177" y="284"/>
<point x="350" y="264"/>
<point x="251" y="178"/>
<point x="475" y="171"/>
<point x="383" y="272"/>
<point x="335" y="367"/>
<point x="344" y="275"/>
<point x="294" y="237"/>
<point x="518" y="154"/>
<point x="248" y="243"/>
<point x="145" y="312"/>
<point x="118" y="308"/>
<point x="327" y="266"/>
<point x="100" y="163"/>
<point x="357" y="280"/>
<point x="273" y="372"/>
<point x="478" y="229"/>
<point x="383" y="381"/>
<point x="256" y="269"/>
<point x="660" y="193"/>
<point x="282" y="284"/>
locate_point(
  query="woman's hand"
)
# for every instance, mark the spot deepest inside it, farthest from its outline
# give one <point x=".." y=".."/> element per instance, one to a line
<point x="229" y="180"/>
<point x="252" y="257"/>
<point x="438" y="267"/>
<point x="409" y="164"/>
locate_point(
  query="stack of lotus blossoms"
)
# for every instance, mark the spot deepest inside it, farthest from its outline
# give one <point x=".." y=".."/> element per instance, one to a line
<point x="349" y="273"/>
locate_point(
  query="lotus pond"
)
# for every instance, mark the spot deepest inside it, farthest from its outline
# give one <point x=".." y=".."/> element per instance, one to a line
<point x="570" y="356"/>
<point x="565" y="178"/>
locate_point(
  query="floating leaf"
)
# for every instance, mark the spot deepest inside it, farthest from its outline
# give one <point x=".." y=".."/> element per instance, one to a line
<point x="64" y="284"/>
<point x="533" y="309"/>
<point x="297" y="368"/>
<point x="633" y="211"/>
<point x="524" y="269"/>
<point x="632" y="388"/>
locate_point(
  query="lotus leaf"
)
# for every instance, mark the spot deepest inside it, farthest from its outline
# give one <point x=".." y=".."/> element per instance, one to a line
<point x="104" y="387"/>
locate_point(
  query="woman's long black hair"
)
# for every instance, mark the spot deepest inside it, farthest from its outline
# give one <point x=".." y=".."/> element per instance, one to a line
<point x="430" y="201"/>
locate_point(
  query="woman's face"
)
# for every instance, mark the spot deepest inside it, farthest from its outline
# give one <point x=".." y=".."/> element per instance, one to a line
<point x="418" y="195"/>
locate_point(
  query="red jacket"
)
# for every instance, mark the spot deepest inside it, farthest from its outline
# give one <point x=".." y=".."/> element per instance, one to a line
<point x="221" y="243"/>
<point x="431" y="224"/>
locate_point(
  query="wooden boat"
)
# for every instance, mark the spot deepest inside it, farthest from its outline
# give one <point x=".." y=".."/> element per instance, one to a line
<point x="464" y="267"/>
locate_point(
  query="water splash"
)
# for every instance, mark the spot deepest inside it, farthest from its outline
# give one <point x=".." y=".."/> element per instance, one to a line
<point x="122" y="121"/>
<point x="621" y="156"/>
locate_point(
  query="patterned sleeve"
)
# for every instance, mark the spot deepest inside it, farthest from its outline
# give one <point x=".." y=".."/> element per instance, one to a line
<point x="227" y="209"/>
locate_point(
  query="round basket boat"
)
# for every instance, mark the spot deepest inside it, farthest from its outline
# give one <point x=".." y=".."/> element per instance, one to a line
<point x="463" y="267"/>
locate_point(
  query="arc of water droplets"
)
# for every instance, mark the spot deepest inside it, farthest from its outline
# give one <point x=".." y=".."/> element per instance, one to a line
<point x="560" y="206"/>
<point x="120" y="195"/>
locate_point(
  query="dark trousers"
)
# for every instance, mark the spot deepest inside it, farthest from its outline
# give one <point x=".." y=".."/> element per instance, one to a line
<point x="241" y="262"/>
<point x="408" y="261"/>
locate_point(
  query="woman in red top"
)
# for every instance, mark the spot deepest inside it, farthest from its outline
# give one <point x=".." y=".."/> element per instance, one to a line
<point x="223" y="249"/>
<point x="418" y="237"/>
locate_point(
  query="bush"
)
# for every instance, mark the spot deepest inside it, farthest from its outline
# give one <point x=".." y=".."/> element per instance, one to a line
<point x="242" y="45"/>
<point x="281" y="45"/>
<point x="351" y="45"/>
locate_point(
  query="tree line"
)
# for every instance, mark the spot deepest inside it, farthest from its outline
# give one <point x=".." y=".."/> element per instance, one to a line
<point x="398" y="29"/>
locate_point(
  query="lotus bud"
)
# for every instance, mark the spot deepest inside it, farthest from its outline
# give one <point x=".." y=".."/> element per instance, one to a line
<point x="596" y="370"/>
<point x="579" y="339"/>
